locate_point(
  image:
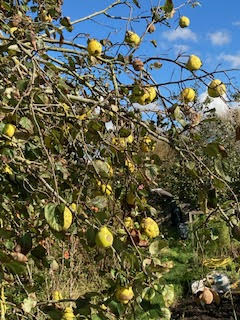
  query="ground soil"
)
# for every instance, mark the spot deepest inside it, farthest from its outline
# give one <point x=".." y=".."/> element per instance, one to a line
<point x="191" y="310"/>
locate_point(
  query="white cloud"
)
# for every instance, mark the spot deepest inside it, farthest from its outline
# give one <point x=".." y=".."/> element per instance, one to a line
<point x="151" y="107"/>
<point x="181" y="48"/>
<point x="179" y="33"/>
<point x="219" y="38"/>
<point x="236" y="23"/>
<point x="218" y="103"/>
<point x="234" y="60"/>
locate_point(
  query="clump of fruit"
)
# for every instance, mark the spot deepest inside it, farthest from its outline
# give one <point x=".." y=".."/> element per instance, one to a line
<point x="68" y="314"/>
<point x="147" y="144"/>
<point x="216" y="88"/>
<point x="57" y="295"/>
<point x="143" y="96"/>
<point x="105" y="188"/>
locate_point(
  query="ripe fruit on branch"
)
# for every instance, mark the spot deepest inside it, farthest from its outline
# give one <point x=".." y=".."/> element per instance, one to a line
<point x="130" y="165"/>
<point x="105" y="188"/>
<point x="124" y="294"/>
<point x="132" y="39"/>
<point x="143" y="96"/>
<point x="216" y="88"/>
<point x="104" y="238"/>
<point x="150" y="227"/>
<point x="94" y="48"/>
<point x="45" y="16"/>
<point x="68" y="314"/>
<point x="193" y="63"/>
<point x="9" y="130"/>
<point x="129" y="224"/>
<point x="147" y="144"/>
<point x="188" y="95"/>
<point x="184" y="22"/>
<point x="57" y="295"/>
<point x="120" y="142"/>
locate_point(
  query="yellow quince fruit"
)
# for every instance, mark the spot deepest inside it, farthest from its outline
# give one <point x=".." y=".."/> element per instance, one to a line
<point x="57" y="295"/>
<point x="104" y="238"/>
<point x="216" y="88"/>
<point x="188" y="95"/>
<point x="68" y="314"/>
<point x="143" y="96"/>
<point x="147" y="144"/>
<point x="132" y="39"/>
<point x="184" y="22"/>
<point x="120" y="142"/>
<point x="129" y="223"/>
<point x="94" y="48"/>
<point x="67" y="218"/>
<point x="105" y="188"/>
<point x="73" y="206"/>
<point x="130" y="165"/>
<point x="193" y="63"/>
<point x="130" y="138"/>
<point x="150" y="227"/>
<point x="9" y="130"/>
<point x="8" y="170"/>
<point x="124" y="294"/>
<point x="143" y="99"/>
<point x="46" y="17"/>
<point x="152" y="93"/>
<point x="110" y="169"/>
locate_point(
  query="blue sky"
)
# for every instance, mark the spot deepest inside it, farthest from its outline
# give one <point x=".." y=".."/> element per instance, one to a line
<point x="213" y="34"/>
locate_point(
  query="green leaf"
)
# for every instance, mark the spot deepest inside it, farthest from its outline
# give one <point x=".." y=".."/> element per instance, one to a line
<point x="218" y="184"/>
<point x="26" y="124"/>
<point x="154" y="42"/>
<point x="148" y="294"/>
<point x="168" y="6"/>
<point x="156" y="246"/>
<point x="219" y="170"/>
<point x="136" y="3"/>
<point x="15" y="267"/>
<point x="65" y="21"/>
<point x="96" y="317"/>
<point x="116" y="307"/>
<point x="100" y="202"/>
<point x="102" y="168"/>
<point x="54" y="216"/>
<point x="212" y="149"/>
